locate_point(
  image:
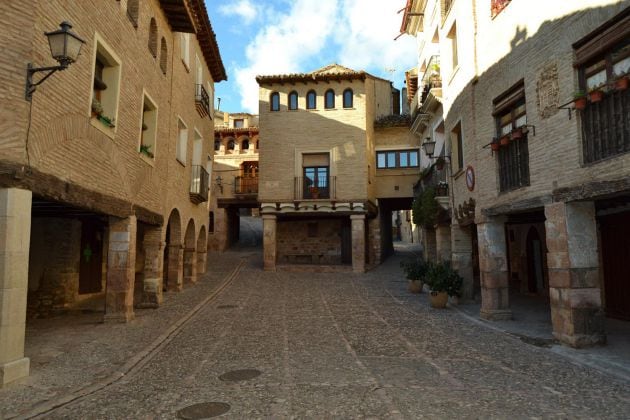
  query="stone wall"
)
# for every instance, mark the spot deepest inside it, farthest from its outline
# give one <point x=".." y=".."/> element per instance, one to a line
<point x="315" y="241"/>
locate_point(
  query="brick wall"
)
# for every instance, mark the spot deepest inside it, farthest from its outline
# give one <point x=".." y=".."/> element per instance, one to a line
<point x="309" y="241"/>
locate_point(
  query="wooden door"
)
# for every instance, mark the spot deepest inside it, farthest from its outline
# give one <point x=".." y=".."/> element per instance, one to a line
<point x="615" y="238"/>
<point x="91" y="261"/>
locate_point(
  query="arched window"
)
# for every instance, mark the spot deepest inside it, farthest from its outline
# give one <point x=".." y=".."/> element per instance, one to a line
<point x="274" y="101"/>
<point x="348" y="97"/>
<point x="245" y="144"/>
<point x="231" y="145"/>
<point x="329" y="99"/>
<point x="163" y="55"/>
<point x="293" y="100"/>
<point x="132" y="12"/>
<point x="311" y="100"/>
<point x="153" y="37"/>
<point x="217" y="145"/>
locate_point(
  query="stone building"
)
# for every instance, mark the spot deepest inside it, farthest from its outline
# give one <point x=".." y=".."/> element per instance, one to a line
<point x="103" y="174"/>
<point x="336" y="161"/>
<point x="541" y="186"/>
<point x="235" y="176"/>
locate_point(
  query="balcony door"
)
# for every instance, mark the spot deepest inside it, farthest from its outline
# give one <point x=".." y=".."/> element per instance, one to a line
<point x="316" y="175"/>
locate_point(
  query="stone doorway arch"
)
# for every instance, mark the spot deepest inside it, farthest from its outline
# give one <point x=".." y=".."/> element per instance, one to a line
<point x="202" y="251"/>
<point x="173" y="253"/>
<point x="190" y="254"/>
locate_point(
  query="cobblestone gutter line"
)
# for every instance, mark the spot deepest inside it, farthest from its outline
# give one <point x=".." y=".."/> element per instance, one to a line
<point x="136" y="363"/>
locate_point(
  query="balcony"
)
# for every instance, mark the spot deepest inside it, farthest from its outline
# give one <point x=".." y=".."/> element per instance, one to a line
<point x="199" y="184"/>
<point x="246" y="185"/>
<point x="324" y="188"/>
<point x="202" y="100"/>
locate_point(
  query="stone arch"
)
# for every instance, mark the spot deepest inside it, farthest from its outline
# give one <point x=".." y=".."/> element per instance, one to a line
<point x="153" y="37"/>
<point x="244" y="144"/>
<point x="190" y="254"/>
<point x="173" y="253"/>
<point x="202" y="251"/>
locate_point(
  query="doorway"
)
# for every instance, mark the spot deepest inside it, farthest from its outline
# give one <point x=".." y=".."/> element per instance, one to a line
<point x="535" y="269"/>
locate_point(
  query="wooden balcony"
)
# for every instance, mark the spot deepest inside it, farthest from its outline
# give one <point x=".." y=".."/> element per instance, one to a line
<point x="246" y="185"/>
<point x="199" y="184"/>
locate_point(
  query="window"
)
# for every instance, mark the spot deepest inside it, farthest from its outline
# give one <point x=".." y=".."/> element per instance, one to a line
<point x="311" y="100"/>
<point x="603" y="64"/>
<point x="217" y="145"/>
<point x="149" y="127"/>
<point x="329" y="99"/>
<point x="293" y="100"/>
<point x="106" y="82"/>
<point x="513" y="157"/>
<point x="274" y="101"/>
<point x="153" y="38"/>
<point x="184" y="45"/>
<point x="348" y="97"/>
<point x="163" y="55"/>
<point x="182" y="141"/>
<point x="316" y="175"/>
<point x="457" y="146"/>
<point x="231" y="144"/>
<point x="239" y="123"/>
<point x="245" y="144"/>
<point x="391" y="159"/>
<point x="132" y="12"/>
<point x="452" y="35"/>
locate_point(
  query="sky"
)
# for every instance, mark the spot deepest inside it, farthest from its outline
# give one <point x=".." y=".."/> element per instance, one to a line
<point x="263" y="37"/>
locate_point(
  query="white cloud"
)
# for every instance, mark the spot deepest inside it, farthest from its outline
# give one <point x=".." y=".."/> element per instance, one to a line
<point x="285" y="44"/>
<point x="243" y="9"/>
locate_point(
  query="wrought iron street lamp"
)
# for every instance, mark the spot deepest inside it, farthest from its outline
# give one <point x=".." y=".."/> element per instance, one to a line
<point x="429" y="147"/>
<point x="65" y="47"/>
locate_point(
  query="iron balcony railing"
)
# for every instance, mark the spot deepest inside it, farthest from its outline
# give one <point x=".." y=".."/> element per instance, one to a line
<point x="322" y="188"/>
<point x="202" y="100"/>
<point x="199" y="184"/>
<point x="246" y="185"/>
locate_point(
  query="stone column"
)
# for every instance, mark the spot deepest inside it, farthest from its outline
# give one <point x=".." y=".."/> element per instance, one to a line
<point x="358" y="242"/>
<point x="429" y="244"/>
<point x="443" y="242"/>
<point x="202" y="256"/>
<point x="461" y="257"/>
<point x="175" y="268"/>
<point x="152" y="295"/>
<point x="574" y="279"/>
<point x="493" y="266"/>
<point x="269" y="241"/>
<point x="15" y="236"/>
<point x="190" y="265"/>
<point x="121" y="261"/>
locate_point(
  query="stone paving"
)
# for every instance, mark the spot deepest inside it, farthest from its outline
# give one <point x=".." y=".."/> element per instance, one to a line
<point x="343" y="346"/>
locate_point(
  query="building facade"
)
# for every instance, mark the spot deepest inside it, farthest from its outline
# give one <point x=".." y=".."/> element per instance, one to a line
<point x="336" y="160"/>
<point x="103" y="173"/>
<point x="537" y="180"/>
<point x="234" y="176"/>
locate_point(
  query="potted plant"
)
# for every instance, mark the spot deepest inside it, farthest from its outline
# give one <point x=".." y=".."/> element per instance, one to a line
<point x="109" y="122"/>
<point x="505" y="140"/>
<point x="97" y="108"/>
<point x="444" y="282"/>
<point x="495" y="145"/>
<point x="596" y="94"/>
<point x="145" y="149"/>
<point x="579" y="100"/>
<point x="622" y="81"/>
<point x="314" y="192"/>
<point x="441" y="189"/>
<point x="415" y="271"/>
<point x="517" y="133"/>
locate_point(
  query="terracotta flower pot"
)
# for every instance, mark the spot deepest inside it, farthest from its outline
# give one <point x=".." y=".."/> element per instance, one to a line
<point x="580" y="103"/>
<point x="415" y="286"/>
<point x="517" y="134"/>
<point x="596" y="96"/>
<point x="495" y="146"/>
<point x="439" y="299"/>
<point x="622" y="83"/>
<point x="505" y="140"/>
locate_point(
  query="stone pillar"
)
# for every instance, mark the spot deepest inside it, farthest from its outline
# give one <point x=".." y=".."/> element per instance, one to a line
<point x="202" y="258"/>
<point x="358" y="242"/>
<point x="443" y="242"/>
<point x="574" y="277"/>
<point x="461" y="257"/>
<point x="269" y="241"/>
<point x="121" y="262"/>
<point x="175" y="268"/>
<point x="152" y="295"/>
<point x="15" y="236"/>
<point x="493" y="266"/>
<point x="190" y="265"/>
<point x="429" y="244"/>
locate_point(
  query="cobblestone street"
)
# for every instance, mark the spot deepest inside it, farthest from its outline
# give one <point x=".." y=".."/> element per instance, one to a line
<point x="344" y="346"/>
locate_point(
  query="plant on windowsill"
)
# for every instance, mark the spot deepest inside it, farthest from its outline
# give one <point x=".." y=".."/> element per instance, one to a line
<point x="495" y="145"/>
<point x="145" y="149"/>
<point x="579" y="100"/>
<point x="517" y="133"/>
<point x="505" y="140"/>
<point x="596" y="94"/>
<point x="108" y="122"/>
<point x="415" y="270"/>
<point x="441" y="190"/>
<point x="621" y="82"/>
<point x="444" y="282"/>
<point x="314" y="192"/>
<point x="97" y="108"/>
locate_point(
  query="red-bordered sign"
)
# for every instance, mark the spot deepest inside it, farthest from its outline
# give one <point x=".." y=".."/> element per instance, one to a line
<point x="470" y="178"/>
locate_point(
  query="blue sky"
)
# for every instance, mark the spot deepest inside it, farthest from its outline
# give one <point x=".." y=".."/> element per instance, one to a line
<point x="292" y="36"/>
